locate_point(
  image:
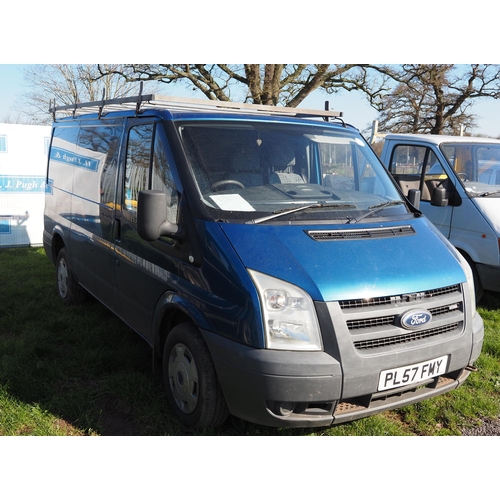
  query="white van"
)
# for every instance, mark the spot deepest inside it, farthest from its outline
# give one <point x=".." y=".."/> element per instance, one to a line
<point x="459" y="183"/>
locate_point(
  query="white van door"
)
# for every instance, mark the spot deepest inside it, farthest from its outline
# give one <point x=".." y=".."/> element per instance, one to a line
<point x="416" y="166"/>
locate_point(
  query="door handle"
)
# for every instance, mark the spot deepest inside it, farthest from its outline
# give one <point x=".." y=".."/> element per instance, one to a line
<point x="117" y="230"/>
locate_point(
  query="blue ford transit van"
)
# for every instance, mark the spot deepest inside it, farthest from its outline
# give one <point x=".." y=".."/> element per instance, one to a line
<point x="264" y="253"/>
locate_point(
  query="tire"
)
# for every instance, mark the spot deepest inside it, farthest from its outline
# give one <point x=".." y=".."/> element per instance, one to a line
<point x="193" y="391"/>
<point x="68" y="289"/>
<point x="478" y="288"/>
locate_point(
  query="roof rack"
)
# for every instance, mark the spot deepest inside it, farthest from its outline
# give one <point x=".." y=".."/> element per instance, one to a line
<point x="149" y="101"/>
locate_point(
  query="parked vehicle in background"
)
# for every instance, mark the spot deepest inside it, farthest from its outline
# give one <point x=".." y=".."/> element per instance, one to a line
<point x="265" y="255"/>
<point x="459" y="183"/>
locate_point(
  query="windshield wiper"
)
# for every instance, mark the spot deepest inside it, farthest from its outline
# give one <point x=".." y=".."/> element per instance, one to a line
<point x="287" y="211"/>
<point x="489" y="193"/>
<point x="375" y="209"/>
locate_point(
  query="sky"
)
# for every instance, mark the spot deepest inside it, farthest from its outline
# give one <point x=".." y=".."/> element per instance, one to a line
<point x="354" y="106"/>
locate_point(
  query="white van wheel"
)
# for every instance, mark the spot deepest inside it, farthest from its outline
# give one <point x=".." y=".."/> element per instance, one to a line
<point x="193" y="391"/>
<point x="478" y="287"/>
<point x="68" y="289"/>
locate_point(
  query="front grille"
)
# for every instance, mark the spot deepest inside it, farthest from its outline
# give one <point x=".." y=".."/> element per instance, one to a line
<point x="392" y="320"/>
<point x="375" y="323"/>
<point x="397" y="299"/>
<point x="370" y="322"/>
<point x="403" y="339"/>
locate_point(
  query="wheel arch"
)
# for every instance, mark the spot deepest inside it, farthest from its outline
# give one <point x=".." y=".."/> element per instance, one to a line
<point x="171" y="311"/>
<point x="57" y="244"/>
<point x="477" y="279"/>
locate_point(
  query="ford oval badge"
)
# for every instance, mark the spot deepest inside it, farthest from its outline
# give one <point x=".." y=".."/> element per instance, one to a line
<point x="415" y="318"/>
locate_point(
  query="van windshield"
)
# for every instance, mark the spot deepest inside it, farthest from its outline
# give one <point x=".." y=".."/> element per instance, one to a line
<point x="253" y="170"/>
<point x="477" y="166"/>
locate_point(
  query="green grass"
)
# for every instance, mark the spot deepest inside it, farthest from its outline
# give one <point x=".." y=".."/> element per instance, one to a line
<point x="81" y="371"/>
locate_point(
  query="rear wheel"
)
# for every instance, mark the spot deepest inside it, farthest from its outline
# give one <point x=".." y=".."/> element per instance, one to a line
<point x="193" y="391"/>
<point x="68" y="289"/>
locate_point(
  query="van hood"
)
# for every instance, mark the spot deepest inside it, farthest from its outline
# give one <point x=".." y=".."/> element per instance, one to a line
<point x="409" y="260"/>
<point x="490" y="207"/>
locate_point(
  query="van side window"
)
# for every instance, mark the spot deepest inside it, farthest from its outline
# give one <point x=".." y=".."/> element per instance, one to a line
<point x="147" y="168"/>
<point x="101" y="147"/>
<point x="63" y="158"/>
<point x="163" y="180"/>
<point x="138" y="161"/>
<point x="407" y="160"/>
<point x="410" y="163"/>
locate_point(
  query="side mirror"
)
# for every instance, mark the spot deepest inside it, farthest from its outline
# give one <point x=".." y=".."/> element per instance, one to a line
<point x="414" y="197"/>
<point x="151" y="221"/>
<point x="439" y="197"/>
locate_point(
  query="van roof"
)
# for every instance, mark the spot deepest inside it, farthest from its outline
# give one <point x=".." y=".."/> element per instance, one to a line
<point x="145" y="102"/>
<point x="440" y="139"/>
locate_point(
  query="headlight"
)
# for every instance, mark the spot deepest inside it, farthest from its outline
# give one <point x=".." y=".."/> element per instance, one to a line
<point x="290" y="321"/>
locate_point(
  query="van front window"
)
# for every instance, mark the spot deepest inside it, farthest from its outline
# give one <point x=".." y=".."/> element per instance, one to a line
<point x="476" y="165"/>
<point x="251" y="170"/>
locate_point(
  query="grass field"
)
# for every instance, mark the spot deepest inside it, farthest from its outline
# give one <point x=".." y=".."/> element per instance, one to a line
<point x="81" y="371"/>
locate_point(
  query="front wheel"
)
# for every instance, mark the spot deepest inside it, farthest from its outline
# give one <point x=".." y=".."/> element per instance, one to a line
<point x="478" y="288"/>
<point x="193" y="391"/>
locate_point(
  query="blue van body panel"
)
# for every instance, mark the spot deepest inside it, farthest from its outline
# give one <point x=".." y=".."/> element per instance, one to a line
<point x="221" y="289"/>
<point x="350" y="269"/>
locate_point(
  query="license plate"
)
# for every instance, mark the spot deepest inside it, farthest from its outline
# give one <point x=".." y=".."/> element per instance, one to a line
<point x="411" y="374"/>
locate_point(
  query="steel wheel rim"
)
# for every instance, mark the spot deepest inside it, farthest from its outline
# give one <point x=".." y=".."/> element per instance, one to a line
<point x="62" y="278"/>
<point x="183" y="378"/>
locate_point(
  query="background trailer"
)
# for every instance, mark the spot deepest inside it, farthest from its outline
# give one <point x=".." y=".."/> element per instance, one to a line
<point x="23" y="165"/>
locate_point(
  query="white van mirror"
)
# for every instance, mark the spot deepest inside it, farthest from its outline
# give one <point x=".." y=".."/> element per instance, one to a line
<point x="439" y="197"/>
<point x="151" y="210"/>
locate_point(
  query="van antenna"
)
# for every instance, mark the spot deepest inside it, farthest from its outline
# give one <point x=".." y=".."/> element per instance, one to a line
<point x="101" y="107"/>
<point x="75" y="103"/>
<point x="139" y="99"/>
<point x="327" y="108"/>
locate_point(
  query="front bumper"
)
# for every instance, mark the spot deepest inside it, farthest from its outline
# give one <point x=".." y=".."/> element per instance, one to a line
<point x="316" y="389"/>
<point x="300" y="389"/>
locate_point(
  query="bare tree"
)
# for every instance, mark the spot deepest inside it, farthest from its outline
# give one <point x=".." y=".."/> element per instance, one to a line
<point x="428" y="98"/>
<point x="271" y="84"/>
<point x="67" y="84"/>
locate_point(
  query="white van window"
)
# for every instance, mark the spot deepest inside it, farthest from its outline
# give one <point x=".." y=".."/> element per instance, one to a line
<point x="409" y="163"/>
